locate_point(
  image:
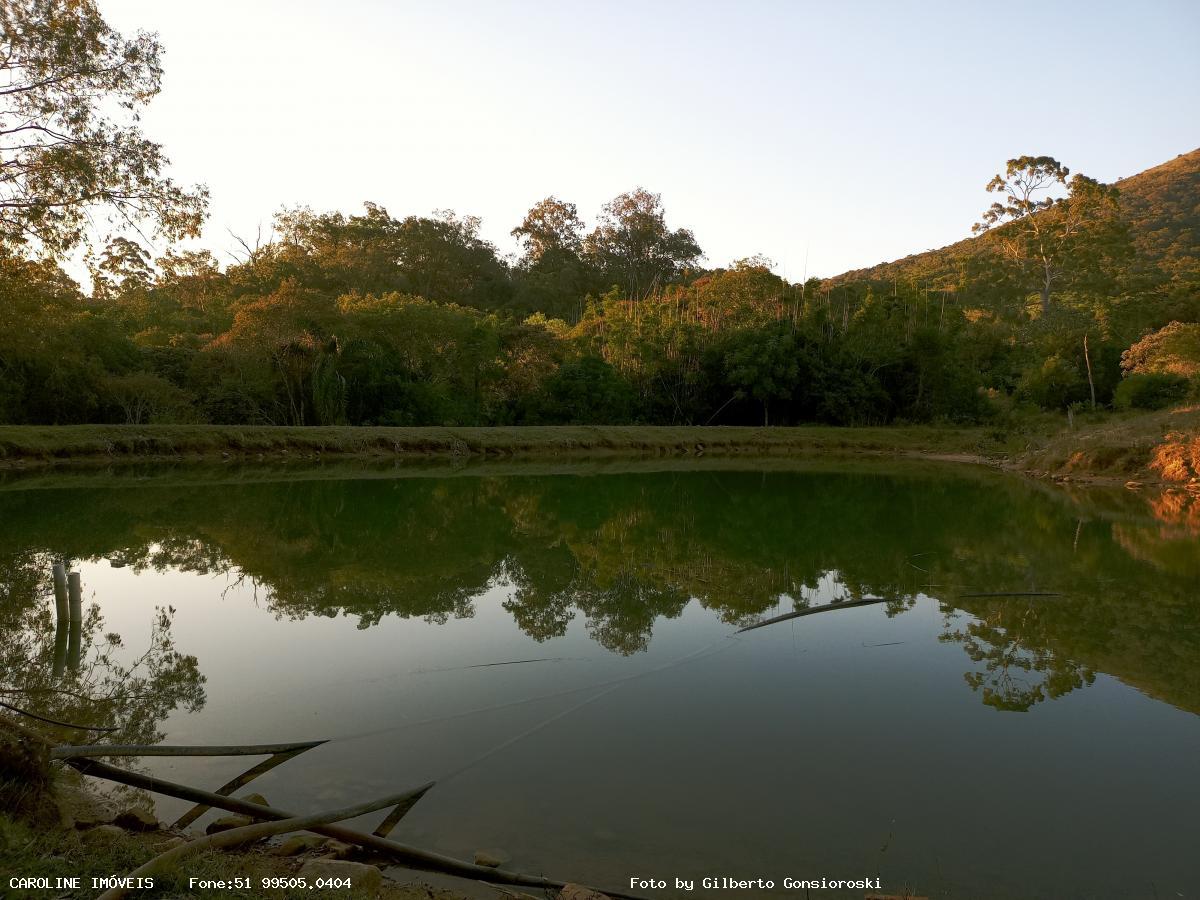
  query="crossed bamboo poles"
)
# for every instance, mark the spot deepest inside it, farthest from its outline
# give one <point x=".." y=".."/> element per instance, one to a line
<point x="272" y="820"/>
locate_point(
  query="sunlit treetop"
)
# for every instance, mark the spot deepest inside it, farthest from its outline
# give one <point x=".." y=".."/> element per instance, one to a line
<point x="73" y="161"/>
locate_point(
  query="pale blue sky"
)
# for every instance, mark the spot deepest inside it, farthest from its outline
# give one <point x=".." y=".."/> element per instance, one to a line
<point x="855" y="132"/>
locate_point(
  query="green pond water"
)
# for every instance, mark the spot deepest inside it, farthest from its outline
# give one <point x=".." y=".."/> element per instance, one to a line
<point x="559" y="650"/>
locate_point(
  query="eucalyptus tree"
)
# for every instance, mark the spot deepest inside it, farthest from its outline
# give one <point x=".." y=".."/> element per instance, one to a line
<point x="1053" y="240"/>
<point x="634" y="249"/>
<point x="552" y="276"/>
<point x="550" y="226"/>
<point x="71" y="152"/>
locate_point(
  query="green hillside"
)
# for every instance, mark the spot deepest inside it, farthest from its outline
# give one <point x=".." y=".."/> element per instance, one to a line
<point x="1161" y="204"/>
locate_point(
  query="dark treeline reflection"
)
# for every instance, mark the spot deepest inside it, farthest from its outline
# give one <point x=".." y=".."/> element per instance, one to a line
<point x="622" y="551"/>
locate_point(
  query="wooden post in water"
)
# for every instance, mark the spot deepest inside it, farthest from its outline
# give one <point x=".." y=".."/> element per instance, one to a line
<point x="61" y="619"/>
<point x="75" y="599"/>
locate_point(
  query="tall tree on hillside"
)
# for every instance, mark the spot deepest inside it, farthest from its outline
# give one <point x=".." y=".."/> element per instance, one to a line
<point x="633" y="247"/>
<point x="70" y="146"/>
<point x="441" y="258"/>
<point x="335" y="253"/>
<point x="445" y="259"/>
<point x="552" y="275"/>
<point x="550" y="226"/>
<point x="123" y="266"/>
<point x="1053" y="240"/>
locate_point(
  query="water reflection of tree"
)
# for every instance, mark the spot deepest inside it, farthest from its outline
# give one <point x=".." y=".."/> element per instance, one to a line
<point x="1019" y="668"/>
<point x="107" y="686"/>
<point x="623" y="552"/>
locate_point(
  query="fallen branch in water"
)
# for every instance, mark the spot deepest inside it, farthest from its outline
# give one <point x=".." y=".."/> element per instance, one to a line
<point x="513" y="662"/>
<point x="49" y="721"/>
<point x="813" y="610"/>
<point x="70" y="751"/>
<point x="393" y="818"/>
<point x="413" y="857"/>
<point x="281" y="754"/>
<point x="256" y="832"/>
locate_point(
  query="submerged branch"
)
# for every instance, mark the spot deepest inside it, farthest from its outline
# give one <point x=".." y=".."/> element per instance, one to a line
<point x="49" y="721"/>
<point x="89" y="750"/>
<point x="869" y="601"/>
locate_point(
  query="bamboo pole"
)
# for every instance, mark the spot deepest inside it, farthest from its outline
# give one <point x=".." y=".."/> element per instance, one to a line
<point x="393" y="818"/>
<point x="242" y="780"/>
<point x="256" y="832"/>
<point x="280" y="753"/>
<point x="412" y="857"/>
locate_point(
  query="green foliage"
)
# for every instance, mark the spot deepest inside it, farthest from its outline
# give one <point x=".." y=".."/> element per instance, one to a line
<point x="634" y="249"/>
<point x="1173" y="349"/>
<point x="146" y="398"/>
<point x="765" y="365"/>
<point x="328" y="392"/>
<point x="1162" y="208"/>
<point x="1054" y="384"/>
<point x="1156" y="390"/>
<point x="583" y="391"/>
<point x="70" y="148"/>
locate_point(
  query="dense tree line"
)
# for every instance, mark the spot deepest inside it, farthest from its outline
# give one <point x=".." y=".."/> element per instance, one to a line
<point x="373" y="319"/>
<point x="370" y="318"/>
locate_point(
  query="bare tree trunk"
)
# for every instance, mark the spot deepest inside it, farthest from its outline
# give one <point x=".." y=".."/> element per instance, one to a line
<point x="1088" y="359"/>
<point x="1047" y="280"/>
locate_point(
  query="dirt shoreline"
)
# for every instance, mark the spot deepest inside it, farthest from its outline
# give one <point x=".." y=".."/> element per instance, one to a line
<point x="1107" y="450"/>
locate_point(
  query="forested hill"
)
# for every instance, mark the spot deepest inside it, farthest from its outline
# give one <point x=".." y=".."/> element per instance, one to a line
<point x="1161" y="204"/>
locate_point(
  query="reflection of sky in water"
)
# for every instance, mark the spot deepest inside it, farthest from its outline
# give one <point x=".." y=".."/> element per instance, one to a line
<point x="839" y="744"/>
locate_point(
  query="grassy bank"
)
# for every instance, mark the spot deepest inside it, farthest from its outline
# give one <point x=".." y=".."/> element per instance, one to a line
<point x="1147" y="446"/>
<point x="1158" y="446"/>
<point x="33" y="444"/>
